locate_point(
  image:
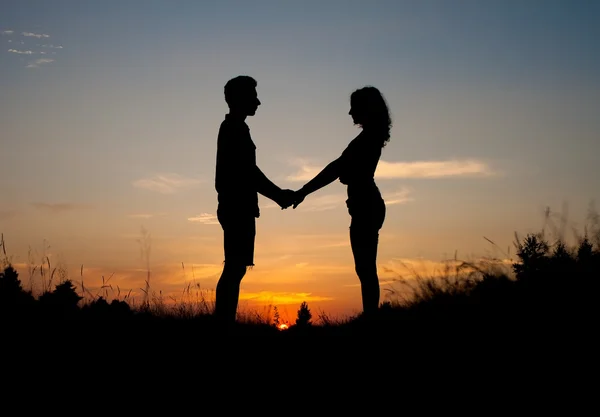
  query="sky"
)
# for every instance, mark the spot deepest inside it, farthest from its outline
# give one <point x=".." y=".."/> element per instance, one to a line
<point x="109" y="113"/>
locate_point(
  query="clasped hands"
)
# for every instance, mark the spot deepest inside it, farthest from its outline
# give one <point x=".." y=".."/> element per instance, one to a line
<point x="289" y="198"/>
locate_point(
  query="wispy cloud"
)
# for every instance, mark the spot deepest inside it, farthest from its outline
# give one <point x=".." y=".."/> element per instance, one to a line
<point x="401" y="196"/>
<point x="321" y="241"/>
<point x="332" y="201"/>
<point x="16" y="51"/>
<point x="281" y="298"/>
<point x="315" y="203"/>
<point x="7" y="214"/>
<point x="166" y="183"/>
<point x="432" y="169"/>
<point x="339" y="244"/>
<point x="306" y="170"/>
<point x="145" y="215"/>
<point x="415" y="169"/>
<point x="38" y="62"/>
<point x="58" y="207"/>
<point x="7" y="32"/>
<point x="323" y="202"/>
<point x="270" y="205"/>
<point x="35" y="35"/>
<point x="204" y="218"/>
<point x="32" y="51"/>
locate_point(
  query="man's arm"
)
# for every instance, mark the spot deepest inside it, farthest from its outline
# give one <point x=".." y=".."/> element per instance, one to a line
<point x="267" y="188"/>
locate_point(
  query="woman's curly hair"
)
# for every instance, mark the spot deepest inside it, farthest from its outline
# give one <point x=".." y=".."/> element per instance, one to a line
<point x="372" y="105"/>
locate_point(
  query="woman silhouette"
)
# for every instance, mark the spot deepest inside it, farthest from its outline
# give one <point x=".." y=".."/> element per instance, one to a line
<point x="356" y="169"/>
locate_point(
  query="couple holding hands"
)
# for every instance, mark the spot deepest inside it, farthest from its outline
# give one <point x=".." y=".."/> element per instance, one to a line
<point x="238" y="181"/>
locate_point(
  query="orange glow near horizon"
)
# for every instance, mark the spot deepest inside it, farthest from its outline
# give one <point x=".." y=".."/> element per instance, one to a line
<point x="291" y="268"/>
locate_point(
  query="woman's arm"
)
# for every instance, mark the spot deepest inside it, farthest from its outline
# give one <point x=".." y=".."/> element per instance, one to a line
<point x="327" y="175"/>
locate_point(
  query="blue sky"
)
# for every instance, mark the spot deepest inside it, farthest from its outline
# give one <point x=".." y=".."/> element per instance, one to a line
<point x="109" y="113"/>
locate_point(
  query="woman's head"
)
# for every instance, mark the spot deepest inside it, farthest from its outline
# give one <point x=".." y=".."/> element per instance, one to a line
<point x="370" y="111"/>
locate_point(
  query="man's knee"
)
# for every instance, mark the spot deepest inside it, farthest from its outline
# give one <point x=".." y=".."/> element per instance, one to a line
<point x="233" y="269"/>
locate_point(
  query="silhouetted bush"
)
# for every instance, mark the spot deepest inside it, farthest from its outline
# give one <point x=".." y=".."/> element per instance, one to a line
<point x="101" y="309"/>
<point x="557" y="277"/>
<point x="63" y="301"/>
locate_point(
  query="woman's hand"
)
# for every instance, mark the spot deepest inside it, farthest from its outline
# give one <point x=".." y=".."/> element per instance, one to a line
<point x="298" y="197"/>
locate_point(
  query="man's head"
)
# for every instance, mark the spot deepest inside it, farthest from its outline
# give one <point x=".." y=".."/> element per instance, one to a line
<point x="241" y="96"/>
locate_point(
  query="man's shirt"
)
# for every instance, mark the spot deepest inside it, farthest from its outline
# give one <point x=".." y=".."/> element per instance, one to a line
<point x="236" y="170"/>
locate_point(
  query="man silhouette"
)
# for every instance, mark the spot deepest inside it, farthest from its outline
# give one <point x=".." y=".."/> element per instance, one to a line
<point x="238" y="181"/>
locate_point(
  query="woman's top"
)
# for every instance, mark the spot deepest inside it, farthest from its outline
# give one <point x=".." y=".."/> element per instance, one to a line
<point x="358" y="163"/>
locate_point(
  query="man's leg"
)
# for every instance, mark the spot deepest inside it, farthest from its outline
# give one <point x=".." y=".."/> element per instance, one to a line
<point x="238" y="239"/>
<point x="228" y="292"/>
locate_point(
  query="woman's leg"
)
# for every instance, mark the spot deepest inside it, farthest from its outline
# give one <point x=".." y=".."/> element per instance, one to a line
<point x="364" y="240"/>
<point x="364" y="248"/>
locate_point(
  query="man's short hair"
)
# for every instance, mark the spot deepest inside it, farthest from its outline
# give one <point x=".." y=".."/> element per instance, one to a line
<point x="238" y="87"/>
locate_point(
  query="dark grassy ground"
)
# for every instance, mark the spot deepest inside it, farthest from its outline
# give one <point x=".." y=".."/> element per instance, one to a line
<point x="541" y="312"/>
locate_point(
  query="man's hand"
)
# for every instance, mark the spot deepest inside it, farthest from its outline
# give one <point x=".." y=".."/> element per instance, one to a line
<point x="286" y="198"/>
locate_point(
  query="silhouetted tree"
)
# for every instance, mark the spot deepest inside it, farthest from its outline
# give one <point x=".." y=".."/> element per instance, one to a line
<point x="13" y="299"/>
<point x="276" y="317"/>
<point x="304" y="315"/>
<point x="9" y="282"/>
<point x="532" y="252"/>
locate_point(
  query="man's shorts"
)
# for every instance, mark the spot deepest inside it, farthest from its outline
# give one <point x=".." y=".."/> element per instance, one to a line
<point x="239" y="233"/>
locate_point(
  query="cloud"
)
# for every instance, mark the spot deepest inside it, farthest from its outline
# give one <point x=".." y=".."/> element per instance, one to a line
<point x="166" y="183"/>
<point x="269" y="205"/>
<point x="416" y="169"/>
<point x="332" y="201"/>
<point x="339" y="244"/>
<point x="398" y="197"/>
<point x="315" y="203"/>
<point x="323" y="203"/>
<point x="38" y="62"/>
<point x="58" y="207"/>
<point x="204" y="218"/>
<point x="145" y="215"/>
<point x="7" y="214"/>
<point x="51" y="46"/>
<point x="281" y="298"/>
<point x="432" y="169"/>
<point x="35" y="35"/>
<point x="16" y="51"/>
<point x="306" y="171"/>
<point x="321" y="241"/>
<point x="8" y="32"/>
